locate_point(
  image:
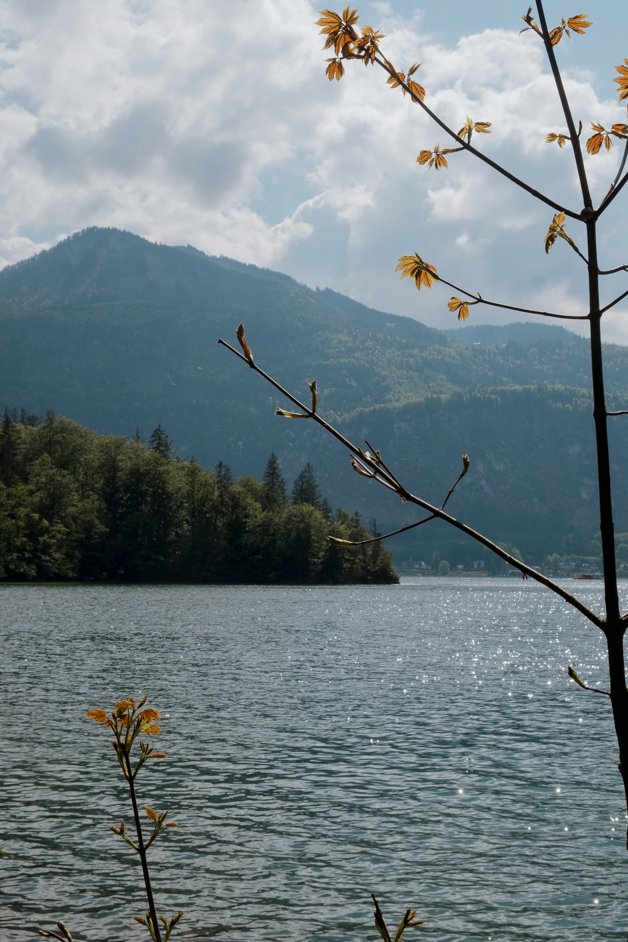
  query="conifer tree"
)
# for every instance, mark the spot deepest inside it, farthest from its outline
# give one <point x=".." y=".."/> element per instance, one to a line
<point x="305" y="488"/>
<point x="274" y="484"/>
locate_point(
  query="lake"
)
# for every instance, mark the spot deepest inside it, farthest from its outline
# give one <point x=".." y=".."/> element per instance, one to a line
<point x="421" y="742"/>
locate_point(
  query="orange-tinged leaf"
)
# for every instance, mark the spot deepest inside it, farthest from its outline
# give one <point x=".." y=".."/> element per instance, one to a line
<point x="123" y="705"/>
<point x="350" y="16"/>
<point x="344" y="45"/>
<point x="413" y="68"/>
<point x="620" y="130"/>
<point x="416" y="90"/>
<point x="328" y="21"/>
<point x="395" y="80"/>
<point x="338" y="29"/>
<point x="561" y="139"/>
<point x="368" y="44"/>
<point x="435" y="159"/>
<point x="459" y="306"/>
<point x="466" y="129"/>
<point x="148" y="715"/>
<point x="557" y="231"/>
<point x="151" y="813"/>
<point x="595" y="142"/>
<point x="622" y="79"/>
<point x="335" y="70"/>
<point x="578" y="23"/>
<point x="97" y="715"/>
<point x="413" y="266"/>
<point x="556" y="35"/>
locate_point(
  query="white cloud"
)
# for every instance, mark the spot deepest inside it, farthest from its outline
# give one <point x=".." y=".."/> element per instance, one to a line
<point x="213" y="124"/>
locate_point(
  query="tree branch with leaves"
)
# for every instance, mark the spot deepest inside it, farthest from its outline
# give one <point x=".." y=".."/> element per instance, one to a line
<point x="348" y="43"/>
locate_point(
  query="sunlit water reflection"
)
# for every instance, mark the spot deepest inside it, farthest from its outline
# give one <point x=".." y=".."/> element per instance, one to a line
<point x="421" y="742"/>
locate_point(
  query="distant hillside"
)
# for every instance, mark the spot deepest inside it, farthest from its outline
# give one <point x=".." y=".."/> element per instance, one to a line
<point x="120" y="334"/>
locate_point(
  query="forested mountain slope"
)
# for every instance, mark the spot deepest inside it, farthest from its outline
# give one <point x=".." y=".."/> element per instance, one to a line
<point x="120" y="334"/>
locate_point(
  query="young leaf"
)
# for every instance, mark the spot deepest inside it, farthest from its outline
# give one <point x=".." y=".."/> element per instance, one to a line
<point x="243" y="343"/>
<point x="413" y="266"/>
<point x="395" y="80"/>
<point x="622" y="79"/>
<point x="462" y="307"/>
<point x="557" y="231"/>
<point x="577" y="24"/>
<point x="435" y="159"/>
<point x="335" y="69"/>
<point x="416" y="90"/>
<point x="98" y="715"/>
<point x="601" y="137"/>
<point x="560" y="139"/>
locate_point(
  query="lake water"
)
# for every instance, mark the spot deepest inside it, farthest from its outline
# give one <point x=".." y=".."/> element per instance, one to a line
<point x="421" y="742"/>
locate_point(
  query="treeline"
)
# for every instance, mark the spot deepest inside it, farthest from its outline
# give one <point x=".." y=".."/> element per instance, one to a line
<point x="75" y="505"/>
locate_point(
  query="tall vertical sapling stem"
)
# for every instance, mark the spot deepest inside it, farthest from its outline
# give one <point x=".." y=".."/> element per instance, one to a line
<point x="129" y="720"/>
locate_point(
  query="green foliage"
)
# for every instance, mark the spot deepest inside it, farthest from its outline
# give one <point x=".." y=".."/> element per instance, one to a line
<point x="119" y="333"/>
<point x="75" y="505"/>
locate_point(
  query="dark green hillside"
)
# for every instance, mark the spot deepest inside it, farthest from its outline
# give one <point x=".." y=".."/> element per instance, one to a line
<point x="120" y="334"/>
<point x="532" y="476"/>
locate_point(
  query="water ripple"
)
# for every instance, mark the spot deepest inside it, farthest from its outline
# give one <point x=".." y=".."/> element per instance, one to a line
<point x="421" y="742"/>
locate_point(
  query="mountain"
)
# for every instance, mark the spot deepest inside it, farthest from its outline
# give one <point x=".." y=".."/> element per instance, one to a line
<point x="120" y="334"/>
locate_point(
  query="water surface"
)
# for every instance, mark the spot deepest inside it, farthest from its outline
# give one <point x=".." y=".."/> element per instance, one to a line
<point x="421" y="742"/>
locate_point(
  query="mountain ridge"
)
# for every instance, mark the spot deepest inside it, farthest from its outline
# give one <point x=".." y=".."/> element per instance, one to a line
<point x="118" y="333"/>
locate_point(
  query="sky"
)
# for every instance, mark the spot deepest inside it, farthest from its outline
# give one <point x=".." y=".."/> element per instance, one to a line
<point x="211" y="123"/>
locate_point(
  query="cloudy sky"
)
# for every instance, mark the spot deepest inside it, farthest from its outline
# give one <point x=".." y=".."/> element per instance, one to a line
<point x="211" y="122"/>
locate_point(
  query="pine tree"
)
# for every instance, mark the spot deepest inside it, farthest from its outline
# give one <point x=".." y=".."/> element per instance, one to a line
<point x="274" y="485"/>
<point x="160" y="442"/>
<point x="305" y="488"/>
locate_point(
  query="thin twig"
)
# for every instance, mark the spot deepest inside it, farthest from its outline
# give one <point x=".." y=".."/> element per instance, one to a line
<point x="511" y="307"/>
<point x="619" y="298"/>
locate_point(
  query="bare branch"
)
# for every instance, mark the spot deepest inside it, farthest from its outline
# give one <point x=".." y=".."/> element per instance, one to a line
<point x="382" y="536"/>
<point x="477" y="298"/>
<point x="376" y="470"/>
<point x="619" y="298"/>
<point x="616" y="186"/>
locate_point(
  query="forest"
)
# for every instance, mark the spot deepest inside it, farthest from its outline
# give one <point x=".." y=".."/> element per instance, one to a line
<point x="75" y="505"/>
